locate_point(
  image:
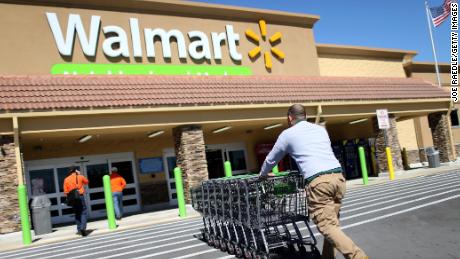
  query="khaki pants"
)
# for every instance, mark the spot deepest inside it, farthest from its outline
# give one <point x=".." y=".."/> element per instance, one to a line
<point x="325" y="194"/>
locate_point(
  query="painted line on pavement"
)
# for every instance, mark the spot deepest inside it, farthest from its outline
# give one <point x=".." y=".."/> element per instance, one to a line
<point x="226" y="257"/>
<point x="412" y="184"/>
<point x="400" y="212"/>
<point x="68" y="245"/>
<point x="126" y="233"/>
<point x="195" y="254"/>
<point x="399" y="198"/>
<point x="385" y="208"/>
<point x="155" y="254"/>
<point x="389" y="190"/>
<point x="132" y="246"/>
<point x="406" y="180"/>
<point x="403" y="182"/>
<point x="398" y="204"/>
<point x="124" y="243"/>
<point x="410" y="191"/>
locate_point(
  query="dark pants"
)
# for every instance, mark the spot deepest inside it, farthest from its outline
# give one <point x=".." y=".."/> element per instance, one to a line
<point x="81" y="214"/>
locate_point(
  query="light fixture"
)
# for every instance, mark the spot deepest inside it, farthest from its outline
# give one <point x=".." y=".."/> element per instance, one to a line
<point x="358" y="121"/>
<point x="273" y="126"/>
<point x="221" y="129"/>
<point x="85" y="138"/>
<point x="156" y="133"/>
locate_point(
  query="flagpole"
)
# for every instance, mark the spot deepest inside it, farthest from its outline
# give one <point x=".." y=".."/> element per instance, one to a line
<point x="428" y="16"/>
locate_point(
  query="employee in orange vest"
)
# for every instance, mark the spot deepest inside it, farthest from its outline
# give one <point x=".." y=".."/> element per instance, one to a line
<point x="118" y="183"/>
<point x="75" y="180"/>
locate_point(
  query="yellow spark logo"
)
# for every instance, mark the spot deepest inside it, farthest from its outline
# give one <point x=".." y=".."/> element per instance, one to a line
<point x="274" y="39"/>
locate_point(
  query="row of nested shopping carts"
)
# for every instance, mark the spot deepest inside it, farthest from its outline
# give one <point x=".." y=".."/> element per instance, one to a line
<point x="251" y="218"/>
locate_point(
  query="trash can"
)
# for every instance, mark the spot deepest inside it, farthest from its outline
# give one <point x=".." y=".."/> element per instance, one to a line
<point x="433" y="157"/>
<point x="41" y="215"/>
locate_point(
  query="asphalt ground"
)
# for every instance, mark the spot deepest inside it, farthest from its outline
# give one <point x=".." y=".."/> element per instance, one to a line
<point x="410" y="218"/>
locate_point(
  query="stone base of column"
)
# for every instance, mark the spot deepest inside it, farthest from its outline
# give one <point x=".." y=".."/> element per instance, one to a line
<point x="439" y="125"/>
<point x="393" y="143"/>
<point x="9" y="212"/>
<point x="191" y="156"/>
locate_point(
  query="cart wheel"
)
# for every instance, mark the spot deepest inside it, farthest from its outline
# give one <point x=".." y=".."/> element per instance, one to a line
<point x="216" y="242"/>
<point x="238" y="251"/>
<point x="315" y="252"/>
<point x="247" y="253"/>
<point x="302" y="250"/>
<point x="211" y="240"/>
<point x="230" y="248"/>
<point x="223" y="245"/>
<point x="205" y="236"/>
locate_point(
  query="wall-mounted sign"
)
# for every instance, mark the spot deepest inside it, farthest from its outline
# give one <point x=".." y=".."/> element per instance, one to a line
<point x="199" y="47"/>
<point x="382" y="118"/>
<point x="119" y="42"/>
<point x="151" y="165"/>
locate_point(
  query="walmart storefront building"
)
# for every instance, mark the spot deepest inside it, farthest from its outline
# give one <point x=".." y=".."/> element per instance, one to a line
<point x="148" y="85"/>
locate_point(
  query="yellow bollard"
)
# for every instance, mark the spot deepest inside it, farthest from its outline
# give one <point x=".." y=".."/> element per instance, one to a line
<point x="390" y="163"/>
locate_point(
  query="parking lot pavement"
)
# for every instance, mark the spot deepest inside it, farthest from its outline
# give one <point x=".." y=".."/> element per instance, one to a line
<point x="409" y="218"/>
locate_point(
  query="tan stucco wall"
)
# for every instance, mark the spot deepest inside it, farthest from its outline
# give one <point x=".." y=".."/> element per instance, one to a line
<point x="338" y="65"/>
<point x="29" y="46"/>
<point x="406" y="134"/>
<point x="422" y="129"/>
<point x="431" y="77"/>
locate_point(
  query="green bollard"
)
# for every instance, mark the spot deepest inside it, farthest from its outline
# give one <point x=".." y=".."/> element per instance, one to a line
<point x="180" y="192"/>
<point x="109" y="202"/>
<point x="275" y="170"/>
<point x="24" y="213"/>
<point x="362" y="159"/>
<point x="228" y="169"/>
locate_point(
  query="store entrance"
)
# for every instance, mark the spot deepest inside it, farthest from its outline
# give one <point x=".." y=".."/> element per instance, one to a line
<point x="46" y="177"/>
<point x="215" y="163"/>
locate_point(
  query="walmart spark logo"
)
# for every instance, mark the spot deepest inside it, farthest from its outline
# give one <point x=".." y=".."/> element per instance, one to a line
<point x="274" y="39"/>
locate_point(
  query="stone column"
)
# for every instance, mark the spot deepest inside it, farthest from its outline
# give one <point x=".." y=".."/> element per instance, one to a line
<point x="439" y="125"/>
<point x="9" y="205"/>
<point x="191" y="156"/>
<point x="393" y="143"/>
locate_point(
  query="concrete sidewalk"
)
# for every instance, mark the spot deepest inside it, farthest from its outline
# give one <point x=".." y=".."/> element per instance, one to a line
<point x="14" y="240"/>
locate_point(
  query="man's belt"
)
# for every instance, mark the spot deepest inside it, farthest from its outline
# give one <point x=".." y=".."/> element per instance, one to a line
<point x="331" y="171"/>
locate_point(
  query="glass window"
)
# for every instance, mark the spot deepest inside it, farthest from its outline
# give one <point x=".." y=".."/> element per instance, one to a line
<point x="62" y="174"/>
<point x="67" y="211"/>
<point x="53" y="201"/>
<point x="97" y="196"/>
<point x="129" y="191"/>
<point x="98" y="207"/>
<point x="42" y="181"/>
<point x="171" y="165"/>
<point x="238" y="160"/>
<point x="129" y="202"/>
<point x="95" y="174"/>
<point x="125" y="169"/>
<point x="454" y="118"/>
<point x="54" y="213"/>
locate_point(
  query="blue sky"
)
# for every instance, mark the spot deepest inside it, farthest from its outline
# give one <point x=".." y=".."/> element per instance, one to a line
<point x="399" y="24"/>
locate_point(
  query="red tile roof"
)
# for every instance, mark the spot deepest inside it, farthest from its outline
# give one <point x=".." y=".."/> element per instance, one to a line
<point x="80" y="92"/>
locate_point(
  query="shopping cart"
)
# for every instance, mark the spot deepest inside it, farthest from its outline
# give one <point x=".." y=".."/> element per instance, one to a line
<point x="249" y="217"/>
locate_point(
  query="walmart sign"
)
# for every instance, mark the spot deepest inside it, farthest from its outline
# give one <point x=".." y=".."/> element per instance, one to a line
<point x="199" y="47"/>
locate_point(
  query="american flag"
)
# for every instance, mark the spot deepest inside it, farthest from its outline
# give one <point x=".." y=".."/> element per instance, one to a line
<point x="440" y="13"/>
